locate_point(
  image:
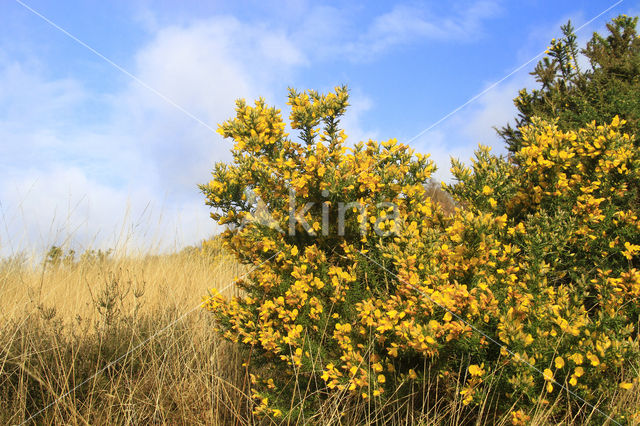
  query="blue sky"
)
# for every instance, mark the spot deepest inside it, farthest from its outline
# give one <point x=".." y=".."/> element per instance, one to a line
<point x="91" y="158"/>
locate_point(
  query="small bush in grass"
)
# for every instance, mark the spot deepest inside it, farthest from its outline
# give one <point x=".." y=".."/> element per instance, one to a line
<point x="531" y="284"/>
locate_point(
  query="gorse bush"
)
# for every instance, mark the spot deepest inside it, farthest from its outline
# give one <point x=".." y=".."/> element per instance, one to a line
<point x="532" y="284"/>
<point x="316" y="208"/>
<point x="564" y="269"/>
<point x="372" y="298"/>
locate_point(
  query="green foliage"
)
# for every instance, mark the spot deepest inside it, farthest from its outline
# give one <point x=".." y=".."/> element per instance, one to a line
<point x="54" y="256"/>
<point x="609" y="86"/>
<point x="95" y="257"/>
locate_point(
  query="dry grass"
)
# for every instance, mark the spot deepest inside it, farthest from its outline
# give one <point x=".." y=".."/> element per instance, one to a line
<point x="145" y="283"/>
<point x="122" y="340"/>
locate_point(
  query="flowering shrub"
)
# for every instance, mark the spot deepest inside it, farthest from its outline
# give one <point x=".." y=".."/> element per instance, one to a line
<point x="576" y="86"/>
<point x="365" y="289"/>
<point x="565" y="268"/>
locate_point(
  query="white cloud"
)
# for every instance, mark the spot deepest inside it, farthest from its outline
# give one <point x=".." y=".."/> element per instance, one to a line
<point x="63" y="206"/>
<point x="131" y="179"/>
<point x="138" y="170"/>
<point x="406" y="23"/>
<point x="348" y="32"/>
<point x="23" y="95"/>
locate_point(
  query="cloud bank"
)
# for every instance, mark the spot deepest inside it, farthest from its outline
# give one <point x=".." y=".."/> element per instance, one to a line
<point x="120" y="169"/>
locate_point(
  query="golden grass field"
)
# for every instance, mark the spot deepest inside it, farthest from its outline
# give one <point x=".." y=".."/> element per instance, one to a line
<point x="123" y="340"/>
<point x="61" y="326"/>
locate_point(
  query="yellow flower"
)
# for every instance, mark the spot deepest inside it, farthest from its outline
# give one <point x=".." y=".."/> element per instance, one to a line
<point x="615" y="122"/>
<point x="630" y="250"/>
<point x="381" y="378"/>
<point x="412" y="374"/>
<point x="559" y="362"/>
<point x="519" y="417"/>
<point x="475" y="370"/>
<point x="468" y="395"/>
<point x="294" y="251"/>
<point x="577" y="358"/>
<point x="528" y="340"/>
<point x="626" y="385"/>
